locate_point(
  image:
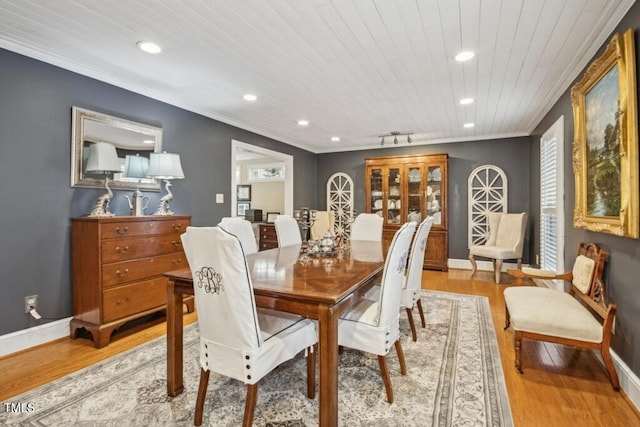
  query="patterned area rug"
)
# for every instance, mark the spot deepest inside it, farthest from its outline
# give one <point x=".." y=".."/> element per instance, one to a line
<point x="454" y="379"/>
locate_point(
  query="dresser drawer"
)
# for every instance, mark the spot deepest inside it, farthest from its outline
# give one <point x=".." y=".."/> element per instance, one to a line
<point x="127" y="271"/>
<point x="148" y="228"/>
<point x="127" y="249"/>
<point x="123" y="301"/>
<point x="268" y="245"/>
<point x="268" y="232"/>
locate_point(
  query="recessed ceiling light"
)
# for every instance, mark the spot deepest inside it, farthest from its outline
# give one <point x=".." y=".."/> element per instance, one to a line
<point x="465" y="101"/>
<point x="464" y="56"/>
<point x="149" y="47"/>
<point x="469" y="125"/>
<point x="335" y="138"/>
<point x="250" y="97"/>
<point x="303" y="122"/>
<point x="149" y="141"/>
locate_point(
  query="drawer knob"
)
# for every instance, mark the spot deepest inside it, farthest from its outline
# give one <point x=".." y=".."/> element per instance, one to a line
<point x="175" y="243"/>
<point x="177" y="226"/>
<point x="118" y="302"/>
<point x="122" y="230"/>
<point x="122" y="250"/>
<point x="122" y="273"/>
<point x="177" y="261"/>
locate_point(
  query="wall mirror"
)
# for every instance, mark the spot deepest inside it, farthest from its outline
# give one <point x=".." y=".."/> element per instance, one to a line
<point x="131" y="139"/>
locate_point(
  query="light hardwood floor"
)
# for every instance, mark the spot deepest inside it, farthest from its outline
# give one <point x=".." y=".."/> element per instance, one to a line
<point x="561" y="386"/>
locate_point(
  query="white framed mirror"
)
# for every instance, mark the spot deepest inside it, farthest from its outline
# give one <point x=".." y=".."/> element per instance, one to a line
<point x="129" y="138"/>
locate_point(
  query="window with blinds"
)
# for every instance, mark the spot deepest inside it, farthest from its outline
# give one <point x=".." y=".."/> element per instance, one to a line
<point x="551" y="200"/>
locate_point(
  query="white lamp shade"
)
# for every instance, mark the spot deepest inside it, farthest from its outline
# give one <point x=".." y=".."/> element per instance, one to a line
<point x="165" y="166"/>
<point x="136" y="166"/>
<point x="103" y="158"/>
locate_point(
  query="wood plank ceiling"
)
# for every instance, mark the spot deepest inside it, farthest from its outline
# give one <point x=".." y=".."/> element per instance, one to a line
<point x="353" y="68"/>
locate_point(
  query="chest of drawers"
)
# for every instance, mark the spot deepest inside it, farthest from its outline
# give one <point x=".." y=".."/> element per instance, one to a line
<point x="117" y="266"/>
<point x="268" y="237"/>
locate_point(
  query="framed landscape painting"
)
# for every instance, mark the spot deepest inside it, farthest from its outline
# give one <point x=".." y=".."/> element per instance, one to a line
<point x="605" y="147"/>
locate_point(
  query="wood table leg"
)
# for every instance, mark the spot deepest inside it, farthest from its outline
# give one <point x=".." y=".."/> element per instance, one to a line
<point x="328" y="341"/>
<point x="174" y="340"/>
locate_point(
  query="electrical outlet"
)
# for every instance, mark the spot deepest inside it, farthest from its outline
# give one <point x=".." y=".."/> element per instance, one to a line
<point x="30" y="302"/>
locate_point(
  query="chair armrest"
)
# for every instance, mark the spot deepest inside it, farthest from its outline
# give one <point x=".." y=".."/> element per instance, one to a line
<point x="529" y="271"/>
<point x="536" y="273"/>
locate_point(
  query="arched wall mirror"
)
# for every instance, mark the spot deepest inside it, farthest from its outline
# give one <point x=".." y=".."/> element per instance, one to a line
<point x="129" y="138"/>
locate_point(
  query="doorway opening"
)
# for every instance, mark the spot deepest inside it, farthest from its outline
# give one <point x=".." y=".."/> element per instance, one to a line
<point x="243" y="153"/>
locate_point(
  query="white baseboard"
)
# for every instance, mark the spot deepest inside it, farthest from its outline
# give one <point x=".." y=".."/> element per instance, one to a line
<point x="21" y="340"/>
<point x="629" y="382"/>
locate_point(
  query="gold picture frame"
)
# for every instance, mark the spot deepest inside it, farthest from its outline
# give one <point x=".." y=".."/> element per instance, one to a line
<point x="605" y="146"/>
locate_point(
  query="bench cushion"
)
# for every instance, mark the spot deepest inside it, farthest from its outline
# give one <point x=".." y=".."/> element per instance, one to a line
<point x="550" y="312"/>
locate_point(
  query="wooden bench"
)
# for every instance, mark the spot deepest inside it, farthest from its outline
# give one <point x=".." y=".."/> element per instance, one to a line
<point x="580" y="318"/>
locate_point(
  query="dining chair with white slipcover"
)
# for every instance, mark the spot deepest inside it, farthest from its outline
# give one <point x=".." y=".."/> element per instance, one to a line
<point x="373" y="326"/>
<point x="242" y="229"/>
<point x="367" y="226"/>
<point x="413" y="279"/>
<point x="287" y="231"/>
<point x="238" y="340"/>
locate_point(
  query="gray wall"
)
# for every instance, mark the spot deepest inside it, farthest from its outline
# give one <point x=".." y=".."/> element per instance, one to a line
<point x="38" y="202"/>
<point x="512" y="155"/>
<point x="623" y="265"/>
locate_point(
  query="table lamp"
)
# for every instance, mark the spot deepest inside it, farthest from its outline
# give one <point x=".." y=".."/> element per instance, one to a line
<point x="165" y="166"/>
<point x="103" y="159"/>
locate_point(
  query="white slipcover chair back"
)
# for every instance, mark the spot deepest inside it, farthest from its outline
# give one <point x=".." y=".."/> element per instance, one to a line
<point x="367" y="226"/>
<point x="374" y="325"/>
<point x="413" y="280"/>
<point x="242" y="229"/>
<point x="236" y="339"/>
<point x="287" y="231"/>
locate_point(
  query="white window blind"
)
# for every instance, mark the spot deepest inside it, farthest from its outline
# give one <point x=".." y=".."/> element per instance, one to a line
<point x="551" y="200"/>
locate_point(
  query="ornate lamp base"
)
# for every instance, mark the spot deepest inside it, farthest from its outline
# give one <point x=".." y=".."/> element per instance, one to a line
<point x="163" y="208"/>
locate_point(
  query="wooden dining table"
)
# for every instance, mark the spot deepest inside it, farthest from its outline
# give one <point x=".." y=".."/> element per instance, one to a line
<point x="320" y="288"/>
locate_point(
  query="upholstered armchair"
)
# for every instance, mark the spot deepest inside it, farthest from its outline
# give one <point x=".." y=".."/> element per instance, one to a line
<point x="324" y="222"/>
<point x="505" y="241"/>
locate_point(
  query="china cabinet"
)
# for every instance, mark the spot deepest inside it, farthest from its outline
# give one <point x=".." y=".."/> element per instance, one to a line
<point x="409" y="188"/>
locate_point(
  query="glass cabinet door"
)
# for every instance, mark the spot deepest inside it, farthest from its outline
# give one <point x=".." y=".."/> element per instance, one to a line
<point x="414" y="193"/>
<point x="394" y="197"/>
<point x="433" y="194"/>
<point x="377" y="192"/>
